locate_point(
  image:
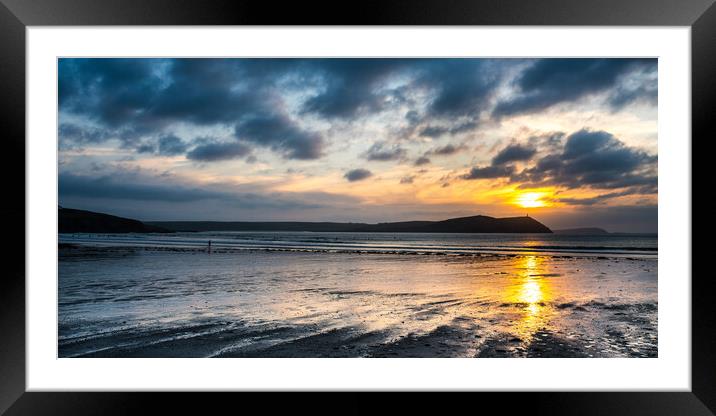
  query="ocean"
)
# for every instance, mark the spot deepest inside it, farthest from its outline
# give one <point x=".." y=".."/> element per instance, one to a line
<point x="641" y="245"/>
<point x="304" y="294"/>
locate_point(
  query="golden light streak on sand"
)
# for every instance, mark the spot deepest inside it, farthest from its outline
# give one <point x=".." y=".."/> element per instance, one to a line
<point x="530" y="291"/>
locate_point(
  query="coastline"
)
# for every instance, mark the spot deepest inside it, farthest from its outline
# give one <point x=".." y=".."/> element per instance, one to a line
<point x="387" y="243"/>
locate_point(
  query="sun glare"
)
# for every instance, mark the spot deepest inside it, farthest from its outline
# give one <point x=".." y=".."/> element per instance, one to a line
<point x="530" y="200"/>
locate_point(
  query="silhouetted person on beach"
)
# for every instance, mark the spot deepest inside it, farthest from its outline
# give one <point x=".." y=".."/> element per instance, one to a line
<point x="209" y="246"/>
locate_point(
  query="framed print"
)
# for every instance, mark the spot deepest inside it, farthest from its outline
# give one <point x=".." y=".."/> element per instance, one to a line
<point x="486" y="198"/>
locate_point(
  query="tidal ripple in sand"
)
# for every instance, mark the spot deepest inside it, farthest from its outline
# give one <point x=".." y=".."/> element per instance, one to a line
<point x="132" y="302"/>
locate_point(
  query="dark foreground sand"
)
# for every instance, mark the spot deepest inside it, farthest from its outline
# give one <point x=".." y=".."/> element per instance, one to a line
<point x="129" y="302"/>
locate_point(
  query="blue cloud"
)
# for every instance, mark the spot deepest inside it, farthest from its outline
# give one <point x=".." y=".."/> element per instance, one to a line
<point x="422" y="161"/>
<point x="280" y="133"/>
<point x="350" y="86"/>
<point x="357" y="175"/>
<point x="513" y="153"/>
<point x="212" y="152"/>
<point x="383" y="152"/>
<point x="171" y="145"/>
<point x="448" y="149"/>
<point x="140" y="101"/>
<point x="588" y="158"/>
<point x="551" y="81"/>
<point x="489" y="172"/>
<point x="594" y="158"/>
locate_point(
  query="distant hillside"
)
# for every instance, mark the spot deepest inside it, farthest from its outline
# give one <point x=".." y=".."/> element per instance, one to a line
<point x="474" y="224"/>
<point x="582" y="231"/>
<point x="78" y="221"/>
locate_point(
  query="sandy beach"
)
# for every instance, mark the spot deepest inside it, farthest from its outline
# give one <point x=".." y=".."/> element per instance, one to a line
<point x="181" y="302"/>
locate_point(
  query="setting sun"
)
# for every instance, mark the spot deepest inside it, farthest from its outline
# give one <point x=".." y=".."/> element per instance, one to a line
<point x="530" y="200"/>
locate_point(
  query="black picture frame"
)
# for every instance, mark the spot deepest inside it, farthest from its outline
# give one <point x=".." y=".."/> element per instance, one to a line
<point x="15" y="15"/>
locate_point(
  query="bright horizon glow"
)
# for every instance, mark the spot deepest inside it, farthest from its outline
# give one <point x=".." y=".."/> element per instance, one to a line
<point x="531" y="200"/>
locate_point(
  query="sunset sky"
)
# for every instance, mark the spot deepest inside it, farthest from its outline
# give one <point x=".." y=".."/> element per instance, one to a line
<point x="571" y="142"/>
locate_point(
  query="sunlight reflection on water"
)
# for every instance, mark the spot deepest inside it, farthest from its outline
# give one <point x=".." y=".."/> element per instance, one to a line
<point x="530" y="291"/>
<point x="380" y="299"/>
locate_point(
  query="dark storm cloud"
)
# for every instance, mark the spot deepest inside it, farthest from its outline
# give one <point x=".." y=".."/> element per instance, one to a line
<point x="280" y="133"/>
<point x="357" y="175"/>
<point x="168" y="145"/>
<point x="462" y="86"/>
<point x="412" y="117"/>
<point x="151" y="92"/>
<point x="550" y="141"/>
<point x="140" y="97"/>
<point x="489" y="172"/>
<point x="138" y="101"/>
<point x="384" y="152"/>
<point x="354" y="87"/>
<point x="433" y="131"/>
<point x="110" y="91"/>
<point x="212" y="152"/>
<point x="513" y="153"/>
<point x="145" y="148"/>
<point x="552" y="81"/>
<point x="422" y="161"/>
<point x="70" y="135"/>
<point x="623" y="96"/>
<point x="209" y="91"/>
<point x="500" y="166"/>
<point x="438" y="131"/>
<point x="448" y="149"/>
<point x="594" y="158"/>
<point x="350" y="86"/>
<point x="171" y="145"/>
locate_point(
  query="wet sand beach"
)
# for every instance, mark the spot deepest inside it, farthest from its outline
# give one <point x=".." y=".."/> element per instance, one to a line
<point x="119" y="301"/>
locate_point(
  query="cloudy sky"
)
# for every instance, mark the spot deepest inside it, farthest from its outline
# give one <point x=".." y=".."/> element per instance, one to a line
<point x="572" y="142"/>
